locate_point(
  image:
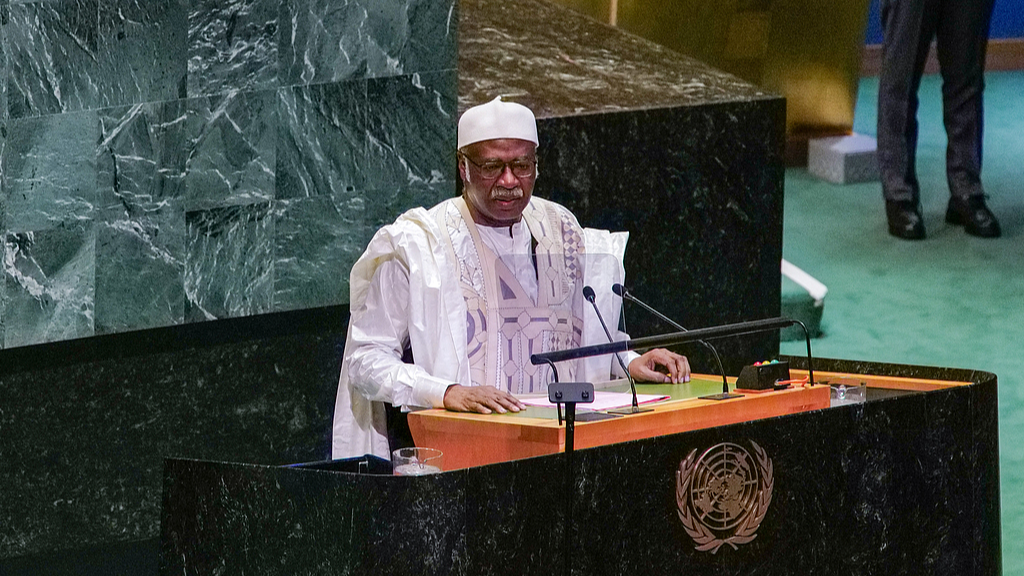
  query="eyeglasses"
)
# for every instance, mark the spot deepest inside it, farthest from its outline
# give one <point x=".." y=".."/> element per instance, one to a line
<point x="521" y="167"/>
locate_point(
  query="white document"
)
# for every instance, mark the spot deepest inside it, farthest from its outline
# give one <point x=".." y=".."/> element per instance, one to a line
<point x="602" y="400"/>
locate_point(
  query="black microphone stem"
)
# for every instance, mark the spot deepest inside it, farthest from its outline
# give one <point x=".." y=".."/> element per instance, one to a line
<point x="588" y="293"/>
<point x="627" y="296"/>
<point x="554" y="376"/>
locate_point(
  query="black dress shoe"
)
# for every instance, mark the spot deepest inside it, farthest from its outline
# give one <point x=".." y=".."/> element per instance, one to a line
<point x="972" y="213"/>
<point x="905" y="219"/>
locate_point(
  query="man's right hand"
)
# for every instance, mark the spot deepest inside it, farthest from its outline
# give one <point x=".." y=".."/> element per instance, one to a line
<point x="482" y="399"/>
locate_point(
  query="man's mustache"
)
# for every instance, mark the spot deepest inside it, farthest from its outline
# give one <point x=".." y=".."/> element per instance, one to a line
<point x="507" y="193"/>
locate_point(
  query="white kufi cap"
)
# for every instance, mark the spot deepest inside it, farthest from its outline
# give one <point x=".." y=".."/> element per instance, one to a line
<point x="497" y="119"/>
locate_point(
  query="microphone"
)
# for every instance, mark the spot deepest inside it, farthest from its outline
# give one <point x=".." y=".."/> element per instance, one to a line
<point x="621" y="291"/>
<point x="588" y="293"/>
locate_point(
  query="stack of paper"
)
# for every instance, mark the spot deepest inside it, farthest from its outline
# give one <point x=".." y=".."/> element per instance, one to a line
<point x="602" y="400"/>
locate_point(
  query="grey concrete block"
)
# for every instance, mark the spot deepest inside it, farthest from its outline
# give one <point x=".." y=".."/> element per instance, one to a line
<point x="843" y="159"/>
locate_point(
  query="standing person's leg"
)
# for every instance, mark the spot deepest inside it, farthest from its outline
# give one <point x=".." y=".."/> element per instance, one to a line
<point x="962" y="36"/>
<point x="907" y="30"/>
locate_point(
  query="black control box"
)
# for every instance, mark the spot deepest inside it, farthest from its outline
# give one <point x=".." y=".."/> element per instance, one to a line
<point x="763" y="376"/>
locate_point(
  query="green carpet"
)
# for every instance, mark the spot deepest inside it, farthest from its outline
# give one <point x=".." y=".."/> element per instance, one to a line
<point x="950" y="300"/>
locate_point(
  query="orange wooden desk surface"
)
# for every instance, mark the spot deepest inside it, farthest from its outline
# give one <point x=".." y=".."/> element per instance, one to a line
<point x="478" y="439"/>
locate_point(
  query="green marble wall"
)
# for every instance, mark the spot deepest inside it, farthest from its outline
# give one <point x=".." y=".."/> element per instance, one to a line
<point x="184" y="160"/>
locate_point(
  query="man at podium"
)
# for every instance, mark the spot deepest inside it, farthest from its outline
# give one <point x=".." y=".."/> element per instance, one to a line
<point x="448" y="303"/>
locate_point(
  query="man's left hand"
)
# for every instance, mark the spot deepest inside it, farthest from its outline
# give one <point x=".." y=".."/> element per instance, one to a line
<point x="645" y="368"/>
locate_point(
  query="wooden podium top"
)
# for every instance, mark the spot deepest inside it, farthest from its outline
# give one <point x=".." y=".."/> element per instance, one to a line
<point x="478" y="439"/>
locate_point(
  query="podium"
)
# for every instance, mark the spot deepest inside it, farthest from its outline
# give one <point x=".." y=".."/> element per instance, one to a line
<point x="905" y="482"/>
<point x="479" y="439"/>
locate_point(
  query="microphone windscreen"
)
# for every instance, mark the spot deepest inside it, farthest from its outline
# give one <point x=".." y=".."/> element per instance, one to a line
<point x="618" y="289"/>
<point x="588" y="293"/>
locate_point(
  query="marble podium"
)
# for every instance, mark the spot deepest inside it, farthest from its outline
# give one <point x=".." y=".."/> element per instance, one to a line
<point x="904" y="483"/>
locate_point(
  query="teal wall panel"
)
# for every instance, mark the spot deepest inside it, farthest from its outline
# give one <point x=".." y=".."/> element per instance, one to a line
<point x="49" y="167"/>
<point x="180" y="161"/>
<point x="229" y="268"/>
<point x="50" y="279"/>
<point x="232" y="146"/>
<point x="54" y="65"/>
<point x="143" y="54"/>
<point x="5" y="16"/>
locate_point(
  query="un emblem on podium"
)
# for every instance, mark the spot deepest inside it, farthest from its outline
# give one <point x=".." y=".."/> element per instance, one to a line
<point x="724" y="494"/>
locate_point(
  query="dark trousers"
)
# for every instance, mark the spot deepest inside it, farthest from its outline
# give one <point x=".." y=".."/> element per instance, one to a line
<point x="960" y="28"/>
<point x="399" y="435"/>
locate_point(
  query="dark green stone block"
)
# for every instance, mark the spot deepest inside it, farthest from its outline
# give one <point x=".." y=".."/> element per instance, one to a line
<point x="323" y="41"/>
<point x="412" y="129"/>
<point x="407" y="36"/>
<point x="5" y="16"/>
<point x="140" y="265"/>
<point x="143" y="51"/>
<point x="49" y="171"/>
<point x="49" y="284"/>
<point x="231" y="149"/>
<point x="318" y="239"/>
<point x="321" y="147"/>
<point x="232" y="46"/>
<point x="140" y="159"/>
<point x="39" y="82"/>
<point x="229" y="262"/>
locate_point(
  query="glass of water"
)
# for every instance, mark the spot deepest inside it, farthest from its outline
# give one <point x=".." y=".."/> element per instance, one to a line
<point x="416" y="461"/>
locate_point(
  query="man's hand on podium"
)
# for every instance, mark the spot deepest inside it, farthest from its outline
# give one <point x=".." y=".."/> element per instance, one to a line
<point x="481" y="399"/>
<point x="645" y="368"/>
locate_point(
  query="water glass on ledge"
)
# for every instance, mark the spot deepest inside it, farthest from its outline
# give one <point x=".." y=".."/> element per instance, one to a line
<point x="416" y="461"/>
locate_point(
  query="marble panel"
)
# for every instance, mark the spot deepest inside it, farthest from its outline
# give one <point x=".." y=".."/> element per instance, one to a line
<point x="141" y="238"/>
<point x="140" y="263"/>
<point x="89" y="423"/>
<point x="318" y="239"/>
<point x="50" y="278"/>
<point x="986" y="532"/>
<point x="699" y="188"/>
<point x="407" y="36"/>
<point x="49" y="170"/>
<point x="3" y="281"/>
<point x="316" y="242"/>
<point x="573" y="65"/>
<point x="322" y="139"/>
<point x="5" y="17"/>
<point x="230" y="149"/>
<point x="3" y="179"/>
<point x="383" y="206"/>
<point x="229" y="262"/>
<point x="232" y="45"/>
<point x="53" y="61"/>
<point x="523" y="531"/>
<point x="369" y="541"/>
<point x="322" y="41"/>
<point x="143" y="50"/>
<point x="140" y="158"/>
<point x="411" y="123"/>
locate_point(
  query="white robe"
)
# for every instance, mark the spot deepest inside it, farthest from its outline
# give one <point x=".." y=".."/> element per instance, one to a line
<point x="418" y="283"/>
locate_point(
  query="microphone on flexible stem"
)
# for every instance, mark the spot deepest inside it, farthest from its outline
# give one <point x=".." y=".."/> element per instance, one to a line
<point x="621" y="291"/>
<point x="588" y="293"/>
